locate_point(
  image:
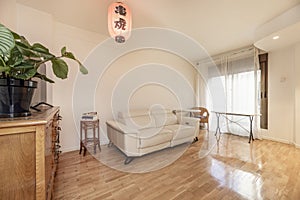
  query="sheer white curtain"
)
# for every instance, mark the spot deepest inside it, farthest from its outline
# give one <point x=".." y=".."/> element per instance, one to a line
<point x="239" y="74"/>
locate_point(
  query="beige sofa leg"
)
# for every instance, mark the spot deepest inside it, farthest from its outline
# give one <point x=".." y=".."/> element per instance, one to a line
<point x="128" y="160"/>
<point x="195" y="139"/>
<point x="110" y="144"/>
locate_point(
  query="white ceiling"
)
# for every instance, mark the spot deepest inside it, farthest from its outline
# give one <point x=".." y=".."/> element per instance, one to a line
<point x="287" y="36"/>
<point x="286" y="27"/>
<point x="219" y="25"/>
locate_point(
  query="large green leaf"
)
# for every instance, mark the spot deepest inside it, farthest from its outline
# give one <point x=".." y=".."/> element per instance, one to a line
<point x="23" y="66"/>
<point x="38" y="52"/>
<point x="40" y="48"/>
<point x="2" y="63"/>
<point x="24" y="49"/>
<point x="43" y="77"/>
<point x="7" y="41"/>
<point x="60" y="68"/>
<point x="26" y="74"/>
<point x="70" y="55"/>
<point x="15" y="58"/>
<point x="4" y="69"/>
<point x="21" y="39"/>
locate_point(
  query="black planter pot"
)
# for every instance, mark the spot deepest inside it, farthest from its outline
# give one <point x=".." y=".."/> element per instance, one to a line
<point x="15" y="97"/>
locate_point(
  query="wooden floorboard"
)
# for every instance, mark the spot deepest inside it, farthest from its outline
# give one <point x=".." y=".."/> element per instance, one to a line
<point x="207" y="169"/>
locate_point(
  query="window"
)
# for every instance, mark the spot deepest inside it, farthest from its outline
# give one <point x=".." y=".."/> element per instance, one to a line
<point x="240" y="77"/>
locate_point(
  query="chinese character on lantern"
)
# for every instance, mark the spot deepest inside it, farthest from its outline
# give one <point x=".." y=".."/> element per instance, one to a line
<point x="120" y="10"/>
<point x="119" y="21"/>
<point x="120" y="24"/>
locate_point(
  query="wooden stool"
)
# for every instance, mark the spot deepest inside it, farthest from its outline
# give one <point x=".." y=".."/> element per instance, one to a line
<point x="85" y="141"/>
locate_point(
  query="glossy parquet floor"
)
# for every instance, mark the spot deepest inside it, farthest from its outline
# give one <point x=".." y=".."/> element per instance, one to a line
<point x="207" y="169"/>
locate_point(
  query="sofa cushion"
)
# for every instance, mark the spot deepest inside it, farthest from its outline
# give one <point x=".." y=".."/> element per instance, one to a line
<point x="133" y="113"/>
<point x="181" y="131"/>
<point x="141" y="122"/>
<point x="164" y="118"/>
<point x="139" y="119"/>
<point x="154" y="136"/>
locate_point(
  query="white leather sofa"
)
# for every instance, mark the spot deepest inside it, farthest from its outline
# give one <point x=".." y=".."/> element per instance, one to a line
<point x="142" y="131"/>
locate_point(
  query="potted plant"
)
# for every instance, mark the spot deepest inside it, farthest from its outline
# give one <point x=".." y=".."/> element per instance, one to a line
<point x="19" y="63"/>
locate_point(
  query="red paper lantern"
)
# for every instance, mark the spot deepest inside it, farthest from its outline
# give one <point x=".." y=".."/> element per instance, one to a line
<point x="119" y="21"/>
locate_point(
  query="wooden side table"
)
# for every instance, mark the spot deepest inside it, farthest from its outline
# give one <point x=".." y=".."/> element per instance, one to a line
<point x="86" y="141"/>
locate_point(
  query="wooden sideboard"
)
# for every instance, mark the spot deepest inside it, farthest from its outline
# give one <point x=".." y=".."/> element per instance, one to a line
<point x="29" y="152"/>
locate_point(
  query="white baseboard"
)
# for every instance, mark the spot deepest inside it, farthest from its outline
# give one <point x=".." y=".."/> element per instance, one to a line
<point x="265" y="135"/>
<point x="281" y="140"/>
<point x="275" y="139"/>
<point x="68" y="149"/>
<point x="74" y="148"/>
<point x="263" y="131"/>
<point x="297" y="145"/>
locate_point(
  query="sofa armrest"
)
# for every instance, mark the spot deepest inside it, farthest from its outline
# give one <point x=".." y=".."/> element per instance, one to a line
<point x="190" y="121"/>
<point x="118" y="126"/>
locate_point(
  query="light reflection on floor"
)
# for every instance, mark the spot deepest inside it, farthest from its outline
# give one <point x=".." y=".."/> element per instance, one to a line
<point x="245" y="183"/>
<point x="237" y="170"/>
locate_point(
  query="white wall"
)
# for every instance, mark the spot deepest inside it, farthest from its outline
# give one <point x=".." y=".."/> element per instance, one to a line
<point x="8" y="13"/>
<point x="284" y="96"/>
<point x="150" y="64"/>
<point x="79" y="42"/>
<point x="41" y="27"/>
<point x="37" y="26"/>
